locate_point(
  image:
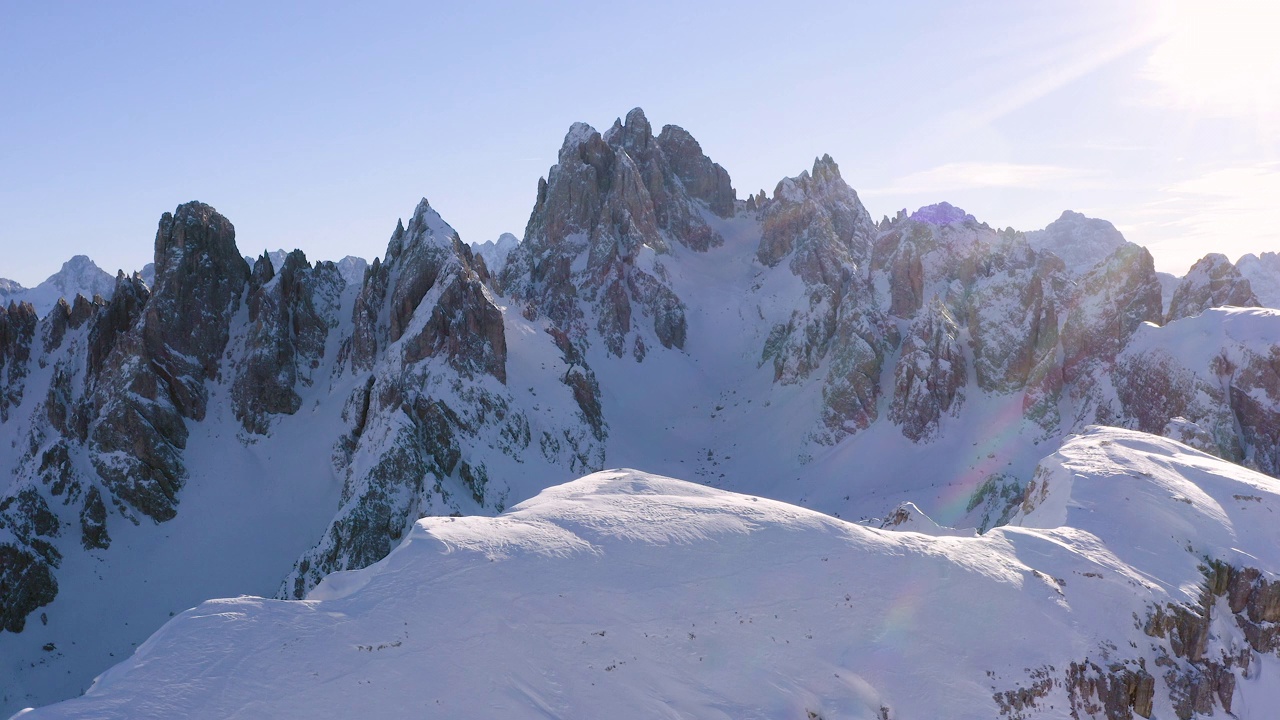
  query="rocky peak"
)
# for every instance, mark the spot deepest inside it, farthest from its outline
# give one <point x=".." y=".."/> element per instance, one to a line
<point x="607" y="211"/>
<point x="116" y="318"/>
<point x="352" y="270"/>
<point x="78" y="276"/>
<point x="819" y="218"/>
<point x="165" y="359"/>
<point x="942" y="213"/>
<point x="634" y="135"/>
<point x="1105" y="307"/>
<point x="290" y="315"/>
<point x="417" y="254"/>
<point x="17" y="329"/>
<point x="10" y="287"/>
<point x="200" y="278"/>
<point x="263" y="270"/>
<point x="703" y="179"/>
<point x="1212" y="282"/>
<point x="427" y="232"/>
<point x="196" y="238"/>
<point x="461" y="322"/>
<point x="1081" y="242"/>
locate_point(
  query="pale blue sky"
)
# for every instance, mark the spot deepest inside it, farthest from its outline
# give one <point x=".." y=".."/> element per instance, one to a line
<point x="317" y="125"/>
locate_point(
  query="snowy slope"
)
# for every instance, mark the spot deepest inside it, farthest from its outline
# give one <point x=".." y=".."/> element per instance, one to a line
<point x="625" y="594"/>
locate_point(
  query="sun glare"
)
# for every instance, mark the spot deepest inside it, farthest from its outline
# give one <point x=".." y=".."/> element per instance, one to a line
<point x="1220" y="58"/>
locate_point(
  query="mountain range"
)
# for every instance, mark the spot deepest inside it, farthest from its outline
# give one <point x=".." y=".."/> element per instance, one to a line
<point x="221" y="427"/>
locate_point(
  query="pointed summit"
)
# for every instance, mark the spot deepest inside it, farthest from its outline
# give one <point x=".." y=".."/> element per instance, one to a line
<point x="825" y="169"/>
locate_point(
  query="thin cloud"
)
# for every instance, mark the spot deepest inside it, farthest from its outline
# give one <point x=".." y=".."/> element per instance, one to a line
<point x="1229" y="210"/>
<point x="1071" y="63"/>
<point x="970" y="175"/>
<point x="1218" y="59"/>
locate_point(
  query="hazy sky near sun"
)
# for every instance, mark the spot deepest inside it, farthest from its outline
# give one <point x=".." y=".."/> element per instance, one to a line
<point x="316" y="125"/>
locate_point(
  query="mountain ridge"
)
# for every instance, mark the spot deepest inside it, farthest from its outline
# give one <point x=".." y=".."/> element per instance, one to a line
<point x="792" y="338"/>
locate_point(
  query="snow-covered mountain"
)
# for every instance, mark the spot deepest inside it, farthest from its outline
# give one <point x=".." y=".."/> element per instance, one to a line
<point x="1080" y="241"/>
<point x="1137" y="578"/>
<point x="78" y="276"/>
<point x="242" y="427"/>
<point x="1263" y="273"/>
<point x="495" y="252"/>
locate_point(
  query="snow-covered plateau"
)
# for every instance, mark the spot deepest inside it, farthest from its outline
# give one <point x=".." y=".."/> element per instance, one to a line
<point x="930" y="467"/>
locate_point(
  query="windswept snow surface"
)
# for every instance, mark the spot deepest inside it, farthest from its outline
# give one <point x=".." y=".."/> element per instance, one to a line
<point x="625" y="594"/>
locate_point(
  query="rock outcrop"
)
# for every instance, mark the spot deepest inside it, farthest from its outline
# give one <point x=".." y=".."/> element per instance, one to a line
<point x="153" y="380"/>
<point x="816" y="223"/>
<point x="429" y="345"/>
<point x="17" y="331"/>
<point x="1228" y="388"/>
<point x="604" y="219"/>
<point x="290" y="314"/>
<point x="931" y="374"/>
<point x="1212" y="282"/>
<point x="1104" y="309"/>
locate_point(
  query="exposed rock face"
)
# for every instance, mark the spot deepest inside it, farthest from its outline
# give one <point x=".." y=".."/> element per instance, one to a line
<point x="1212" y="282"/>
<point x="817" y="223"/>
<point x="931" y="374"/>
<point x="290" y="315"/>
<point x="1199" y="680"/>
<point x="17" y="330"/>
<point x="1013" y="321"/>
<point x="115" y="319"/>
<point x="166" y="359"/>
<point x="27" y="557"/>
<point x="427" y="262"/>
<point x="431" y="346"/>
<point x="440" y="413"/>
<point x="1115" y="690"/>
<point x="1229" y="390"/>
<point x="1107" y="306"/>
<point x="921" y="255"/>
<point x="591" y="258"/>
<point x="127" y="375"/>
<point x="1007" y="295"/>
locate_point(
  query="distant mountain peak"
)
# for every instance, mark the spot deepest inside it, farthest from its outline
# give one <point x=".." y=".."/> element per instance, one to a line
<point x="943" y="213"/>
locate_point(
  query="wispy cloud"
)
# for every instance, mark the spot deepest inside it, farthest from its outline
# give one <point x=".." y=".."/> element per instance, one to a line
<point x="1230" y="210"/>
<point x="1218" y="59"/>
<point x="969" y="175"/>
<point x="1071" y="64"/>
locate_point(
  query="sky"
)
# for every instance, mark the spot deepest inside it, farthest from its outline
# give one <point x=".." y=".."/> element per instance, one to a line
<point x="317" y="125"/>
